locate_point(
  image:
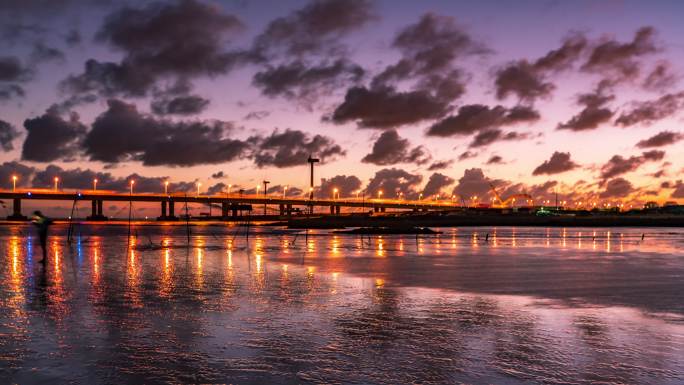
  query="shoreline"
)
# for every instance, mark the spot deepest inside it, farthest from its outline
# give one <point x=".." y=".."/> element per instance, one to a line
<point x="402" y="221"/>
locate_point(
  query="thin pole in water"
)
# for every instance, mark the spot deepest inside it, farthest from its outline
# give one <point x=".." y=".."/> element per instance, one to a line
<point x="187" y="219"/>
<point x="130" y="212"/>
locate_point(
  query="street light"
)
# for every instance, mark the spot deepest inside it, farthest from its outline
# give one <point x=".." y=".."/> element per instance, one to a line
<point x="257" y="189"/>
<point x="379" y="194"/>
<point x="14" y="183"/>
<point x="132" y="183"/>
<point x="198" y="188"/>
<point x="334" y="192"/>
<point x="95" y="184"/>
<point x="56" y="182"/>
<point x="284" y="191"/>
<point x="229" y="187"/>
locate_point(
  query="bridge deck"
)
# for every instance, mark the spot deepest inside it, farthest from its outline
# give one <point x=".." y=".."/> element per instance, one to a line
<point x="224" y="198"/>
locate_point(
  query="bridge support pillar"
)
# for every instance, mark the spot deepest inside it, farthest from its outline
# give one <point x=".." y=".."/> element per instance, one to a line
<point x="337" y="210"/>
<point x="224" y="210"/>
<point x="96" y="211"/>
<point x="281" y="209"/>
<point x="289" y="210"/>
<point x="332" y="210"/>
<point x="376" y="209"/>
<point x="172" y="211"/>
<point x="16" y="211"/>
<point x="382" y="209"/>
<point x="163" y="215"/>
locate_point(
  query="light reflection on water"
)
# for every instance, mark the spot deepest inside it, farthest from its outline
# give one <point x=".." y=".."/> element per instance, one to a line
<point x="474" y="305"/>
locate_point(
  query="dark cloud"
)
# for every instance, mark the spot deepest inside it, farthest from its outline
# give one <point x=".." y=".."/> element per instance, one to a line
<point x="558" y="163"/>
<point x="51" y="137"/>
<point x="12" y="71"/>
<point x="440" y="165"/>
<point x="256" y="115"/>
<point x="436" y="183"/>
<point x="391" y="149"/>
<point x="429" y="48"/>
<point x="179" y="105"/>
<point x="544" y="191"/>
<point x="660" y="78"/>
<point x="346" y="186"/>
<point x="315" y="28"/>
<point x="496" y="159"/>
<point x="474" y="183"/>
<point x="73" y="37"/>
<point x="177" y="99"/>
<point x="392" y="181"/>
<point x="621" y="61"/>
<point x="122" y="133"/>
<point x="664" y="138"/>
<point x="280" y="189"/>
<point x="82" y="179"/>
<point x="473" y="118"/>
<point x="7" y="135"/>
<point x="160" y="40"/>
<point x="594" y="112"/>
<point x="650" y="111"/>
<point x="467" y="155"/>
<point x="386" y="107"/>
<point x="618" y="165"/>
<point x="217" y="188"/>
<point x="11" y="91"/>
<point x="521" y="79"/>
<point x="21" y="171"/>
<point x="43" y="53"/>
<point x="617" y="188"/>
<point x="218" y="175"/>
<point x="292" y="148"/>
<point x="306" y="82"/>
<point x="678" y="192"/>
<point x="528" y="81"/>
<point x="487" y="137"/>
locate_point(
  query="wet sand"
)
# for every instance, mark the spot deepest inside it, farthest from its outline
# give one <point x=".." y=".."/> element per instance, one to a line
<point x="522" y="305"/>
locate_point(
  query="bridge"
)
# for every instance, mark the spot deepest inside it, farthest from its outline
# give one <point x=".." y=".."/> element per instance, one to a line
<point x="232" y="205"/>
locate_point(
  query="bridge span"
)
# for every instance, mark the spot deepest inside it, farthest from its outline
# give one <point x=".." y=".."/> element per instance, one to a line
<point x="232" y="205"/>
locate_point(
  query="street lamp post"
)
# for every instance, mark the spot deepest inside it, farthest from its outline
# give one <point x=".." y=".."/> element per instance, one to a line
<point x="95" y="184"/>
<point x="166" y="187"/>
<point x="56" y="182"/>
<point x="229" y="188"/>
<point x="334" y="192"/>
<point x="379" y="194"/>
<point x="284" y="191"/>
<point x="132" y="183"/>
<point x="14" y="183"/>
<point x="198" y="188"/>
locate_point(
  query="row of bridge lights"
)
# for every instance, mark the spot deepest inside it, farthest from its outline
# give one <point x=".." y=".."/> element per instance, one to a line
<point x="335" y="195"/>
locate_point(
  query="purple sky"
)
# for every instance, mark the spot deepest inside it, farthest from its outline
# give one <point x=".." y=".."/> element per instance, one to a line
<point x="580" y="97"/>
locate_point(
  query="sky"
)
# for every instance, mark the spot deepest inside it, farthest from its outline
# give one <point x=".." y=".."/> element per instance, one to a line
<point x="430" y="98"/>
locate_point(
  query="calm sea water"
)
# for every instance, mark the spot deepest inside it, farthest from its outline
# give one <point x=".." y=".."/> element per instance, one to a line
<point x="471" y="305"/>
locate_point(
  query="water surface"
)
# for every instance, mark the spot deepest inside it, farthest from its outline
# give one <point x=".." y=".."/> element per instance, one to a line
<point x="471" y="305"/>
